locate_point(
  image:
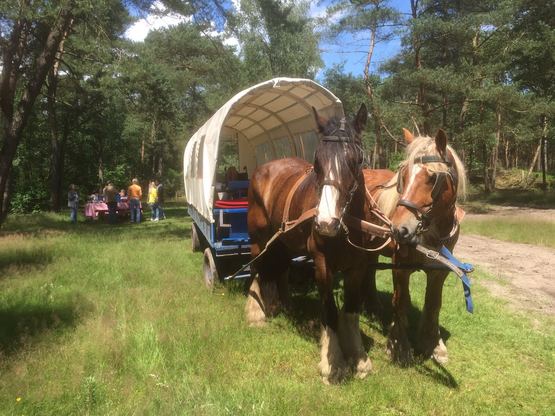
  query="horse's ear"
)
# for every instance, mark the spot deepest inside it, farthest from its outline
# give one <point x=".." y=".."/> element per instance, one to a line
<point x="361" y="118"/>
<point x="441" y="141"/>
<point x="321" y="122"/>
<point x="409" y="137"/>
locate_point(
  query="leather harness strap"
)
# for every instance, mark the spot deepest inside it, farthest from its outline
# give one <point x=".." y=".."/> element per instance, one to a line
<point x="367" y="227"/>
<point x="290" y="195"/>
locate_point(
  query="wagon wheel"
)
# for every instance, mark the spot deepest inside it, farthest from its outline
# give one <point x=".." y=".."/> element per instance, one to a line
<point x="209" y="270"/>
<point x="195" y="239"/>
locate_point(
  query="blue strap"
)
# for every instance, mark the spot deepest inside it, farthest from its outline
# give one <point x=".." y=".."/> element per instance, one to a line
<point x="465" y="268"/>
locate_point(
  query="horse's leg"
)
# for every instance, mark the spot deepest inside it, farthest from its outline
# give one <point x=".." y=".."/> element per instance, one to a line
<point x="349" y="329"/>
<point x="398" y="346"/>
<point x="332" y="363"/>
<point x="254" y="308"/>
<point x="429" y="339"/>
<point x="372" y="303"/>
<point x="267" y="287"/>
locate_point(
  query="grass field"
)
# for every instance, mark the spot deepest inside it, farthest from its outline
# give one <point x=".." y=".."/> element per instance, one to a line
<point x="520" y="229"/>
<point x="107" y="320"/>
<point x="478" y="200"/>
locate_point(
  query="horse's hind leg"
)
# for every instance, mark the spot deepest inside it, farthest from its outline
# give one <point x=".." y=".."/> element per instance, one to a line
<point x="349" y="329"/>
<point x="267" y="290"/>
<point x="430" y="343"/>
<point x="398" y="346"/>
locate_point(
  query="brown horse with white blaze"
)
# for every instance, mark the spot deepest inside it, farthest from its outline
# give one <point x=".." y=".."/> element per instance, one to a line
<point x="283" y="191"/>
<point x="420" y="201"/>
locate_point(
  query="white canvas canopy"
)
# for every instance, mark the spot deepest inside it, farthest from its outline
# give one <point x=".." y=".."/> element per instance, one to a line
<point x="271" y="120"/>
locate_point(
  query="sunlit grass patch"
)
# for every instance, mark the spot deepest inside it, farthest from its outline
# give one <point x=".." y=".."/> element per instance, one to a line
<point x="520" y="229"/>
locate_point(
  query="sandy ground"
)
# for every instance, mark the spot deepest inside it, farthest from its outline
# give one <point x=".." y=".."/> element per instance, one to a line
<point x="525" y="273"/>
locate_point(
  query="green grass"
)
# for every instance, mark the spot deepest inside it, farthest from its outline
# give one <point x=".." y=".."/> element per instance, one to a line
<point x="115" y="321"/>
<point x="520" y="229"/>
<point x="478" y="200"/>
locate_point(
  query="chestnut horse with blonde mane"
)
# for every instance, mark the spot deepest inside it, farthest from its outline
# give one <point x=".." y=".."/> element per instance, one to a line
<point x="281" y="192"/>
<point x="419" y="199"/>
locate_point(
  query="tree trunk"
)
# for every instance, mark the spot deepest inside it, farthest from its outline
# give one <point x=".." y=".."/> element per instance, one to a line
<point x="487" y="172"/>
<point x="534" y="160"/>
<point x="495" y="150"/>
<point x="507" y="162"/>
<point x="417" y="46"/>
<point x="15" y="117"/>
<point x="543" y="151"/>
<point x="379" y="155"/>
<point x="57" y="145"/>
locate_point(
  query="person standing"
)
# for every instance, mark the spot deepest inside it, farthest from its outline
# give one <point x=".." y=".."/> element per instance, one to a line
<point x="160" y="193"/>
<point x="110" y="193"/>
<point x="135" y="193"/>
<point x="73" y="203"/>
<point x="153" y="201"/>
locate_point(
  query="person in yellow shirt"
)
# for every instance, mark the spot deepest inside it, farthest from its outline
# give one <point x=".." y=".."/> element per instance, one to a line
<point x="153" y="201"/>
<point x="135" y="193"/>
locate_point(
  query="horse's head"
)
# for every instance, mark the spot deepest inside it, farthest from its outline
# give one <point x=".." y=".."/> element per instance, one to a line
<point x="427" y="185"/>
<point x="338" y="167"/>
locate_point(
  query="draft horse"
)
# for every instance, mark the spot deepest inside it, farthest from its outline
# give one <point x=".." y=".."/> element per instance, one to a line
<point x="420" y="201"/>
<point x="284" y="191"/>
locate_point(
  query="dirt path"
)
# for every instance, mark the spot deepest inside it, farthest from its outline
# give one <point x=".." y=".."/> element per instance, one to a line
<point x="526" y="273"/>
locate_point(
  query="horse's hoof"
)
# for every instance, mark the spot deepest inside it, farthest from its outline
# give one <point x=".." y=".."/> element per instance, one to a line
<point x="254" y="314"/>
<point x="363" y="368"/>
<point x="399" y="352"/>
<point x="333" y="367"/>
<point x="332" y="375"/>
<point x="440" y="354"/>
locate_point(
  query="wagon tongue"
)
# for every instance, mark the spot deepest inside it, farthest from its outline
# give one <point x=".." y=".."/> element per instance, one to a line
<point x="445" y="257"/>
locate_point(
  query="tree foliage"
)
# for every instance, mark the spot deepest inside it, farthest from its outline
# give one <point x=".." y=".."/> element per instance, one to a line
<point x="79" y="103"/>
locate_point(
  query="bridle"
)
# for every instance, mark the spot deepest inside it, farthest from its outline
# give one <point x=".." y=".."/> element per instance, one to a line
<point x="422" y="213"/>
<point x="339" y="135"/>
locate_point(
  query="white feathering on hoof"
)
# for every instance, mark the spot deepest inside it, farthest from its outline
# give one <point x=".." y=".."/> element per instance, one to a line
<point x="440" y="354"/>
<point x="332" y="365"/>
<point x="351" y="344"/>
<point x="254" y="311"/>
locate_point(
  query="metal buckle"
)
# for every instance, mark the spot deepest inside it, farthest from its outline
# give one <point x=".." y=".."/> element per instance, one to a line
<point x="433" y="255"/>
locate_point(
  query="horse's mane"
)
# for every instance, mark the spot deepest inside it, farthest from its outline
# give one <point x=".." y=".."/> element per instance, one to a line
<point x="421" y="146"/>
<point x="349" y="154"/>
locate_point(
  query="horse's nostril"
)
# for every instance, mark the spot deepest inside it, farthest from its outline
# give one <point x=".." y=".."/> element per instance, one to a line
<point x="403" y="234"/>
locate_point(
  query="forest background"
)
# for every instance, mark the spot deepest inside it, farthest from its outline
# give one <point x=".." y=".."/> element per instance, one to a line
<point x="80" y="103"/>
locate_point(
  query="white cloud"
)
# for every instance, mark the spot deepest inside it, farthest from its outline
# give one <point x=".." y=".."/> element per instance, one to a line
<point x="158" y="18"/>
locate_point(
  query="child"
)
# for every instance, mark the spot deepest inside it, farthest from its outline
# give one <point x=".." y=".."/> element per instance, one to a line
<point x="153" y="201"/>
<point x="73" y="203"/>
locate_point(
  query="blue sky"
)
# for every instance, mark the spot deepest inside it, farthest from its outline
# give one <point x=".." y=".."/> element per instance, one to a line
<point x="348" y="51"/>
<point x="352" y="52"/>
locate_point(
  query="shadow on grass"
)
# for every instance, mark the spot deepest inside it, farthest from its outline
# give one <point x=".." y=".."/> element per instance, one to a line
<point x="423" y="365"/>
<point x="437" y="372"/>
<point x="23" y="258"/>
<point x="22" y="325"/>
<point x="385" y="317"/>
<point x="37" y="224"/>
